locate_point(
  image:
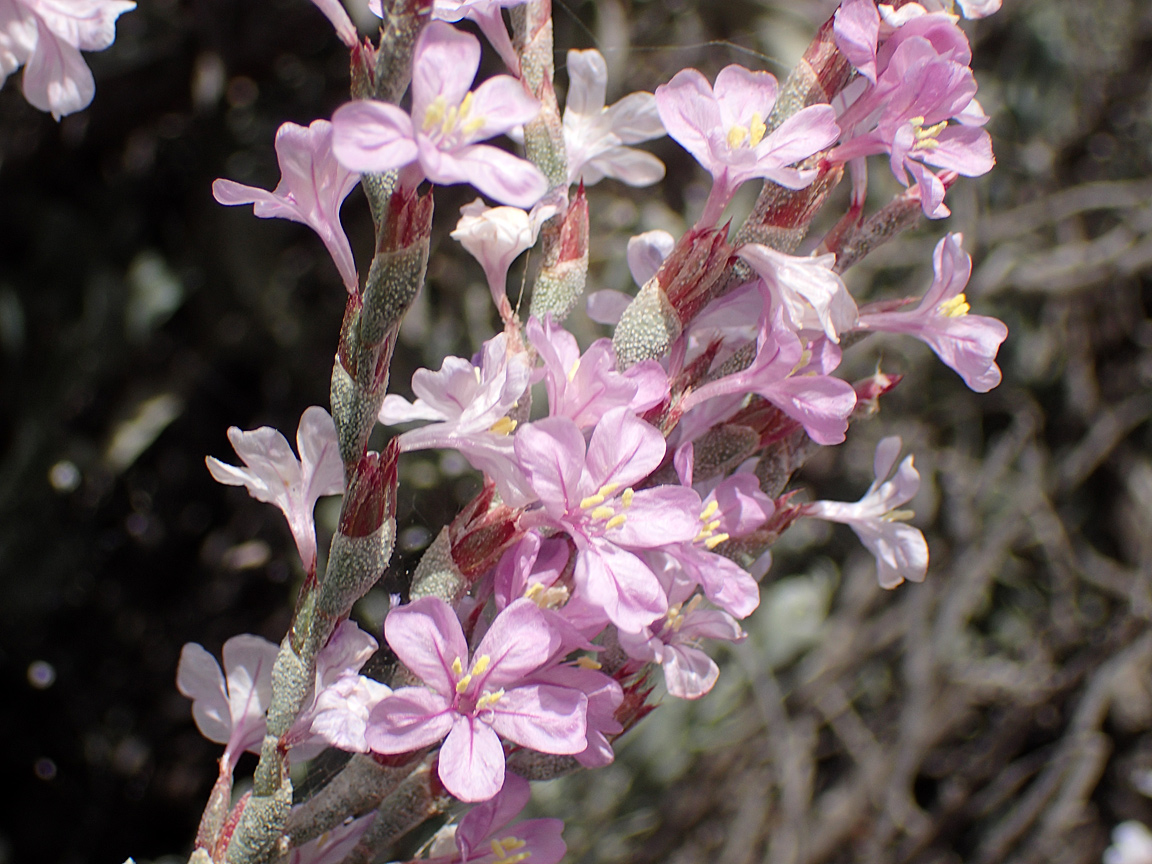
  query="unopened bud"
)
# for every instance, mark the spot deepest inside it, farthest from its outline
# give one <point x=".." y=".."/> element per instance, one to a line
<point x="371" y="495"/>
<point x="565" y="268"/>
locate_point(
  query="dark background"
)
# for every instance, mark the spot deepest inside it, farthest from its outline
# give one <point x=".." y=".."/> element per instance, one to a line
<point x="1001" y="710"/>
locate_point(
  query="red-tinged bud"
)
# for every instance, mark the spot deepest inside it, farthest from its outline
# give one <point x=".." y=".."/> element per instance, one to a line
<point x="693" y="271"/>
<point x="229" y="827"/>
<point x="564" y="272"/>
<point x="482" y="532"/>
<point x="635" y="706"/>
<point x="371" y="495"/>
<point x="770" y="423"/>
<point x="782" y="216"/>
<point x="363" y="71"/>
<point x="869" y="391"/>
<point x="216" y="812"/>
<point x="573" y="244"/>
<point x="409" y="220"/>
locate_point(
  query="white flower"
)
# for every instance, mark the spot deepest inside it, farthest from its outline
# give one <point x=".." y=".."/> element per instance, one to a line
<point x="1131" y="844"/>
<point x="811" y="295"/>
<point x="273" y="473"/>
<point x="595" y="136"/>
<point x="229" y="707"/>
<point x="901" y="551"/>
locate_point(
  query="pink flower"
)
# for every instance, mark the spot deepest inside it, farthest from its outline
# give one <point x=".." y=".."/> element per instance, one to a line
<point x="46" y="37"/>
<point x="646" y="252"/>
<point x="229" y="707"/>
<point x="312" y="187"/>
<point x="807" y="291"/>
<point x="495" y="236"/>
<point x="273" y="474"/>
<point x="724" y="129"/>
<point x="595" y="136"/>
<point x="921" y="81"/>
<point x="469" y="407"/>
<point x="901" y="551"/>
<point x="584" y="387"/>
<point x="674" y="642"/>
<point x="488" y="17"/>
<point x="333" y="846"/>
<point x="966" y="343"/>
<point x="587" y="493"/>
<point x="484" y="837"/>
<point x="472" y="703"/>
<point x="437" y="140"/>
<point x="819" y="402"/>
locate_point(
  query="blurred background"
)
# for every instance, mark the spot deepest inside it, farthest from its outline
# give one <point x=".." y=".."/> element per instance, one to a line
<point x="1000" y="711"/>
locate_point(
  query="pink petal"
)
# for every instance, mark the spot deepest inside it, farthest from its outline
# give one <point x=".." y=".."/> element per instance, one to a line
<point x="198" y="677"/>
<point x="444" y="63"/>
<point x="741" y="92"/>
<point x="497" y="173"/>
<point x="90" y="25"/>
<point x="657" y="517"/>
<point x="472" y="760"/>
<point x="409" y="719"/>
<point x="621" y="584"/>
<point x="427" y="638"/>
<point x="372" y="136"/>
<point x="623" y="450"/>
<point x="543" y="717"/>
<point x="518" y="642"/>
<point x="501" y="102"/>
<point x="688" y="672"/>
<point x="551" y="452"/>
<point x="335" y="12"/>
<point x="689" y="111"/>
<point x="56" y="78"/>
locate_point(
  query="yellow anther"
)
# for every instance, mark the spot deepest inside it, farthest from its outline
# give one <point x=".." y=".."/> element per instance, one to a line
<point x="535" y="592"/>
<point x="708" y="511"/>
<point x="476" y="372"/>
<point x="603" y="513"/>
<point x="616" y="522"/>
<point x="626" y="497"/>
<point x="457" y="667"/>
<point x="450" y="118"/>
<point x="463" y="683"/>
<point x="466" y="104"/>
<point x="608" y="488"/>
<point x="702" y="536"/>
<point x="713" y="542"/>
<point x="575" y="368"/>
<point x="501" y="848"/>
<point x="673" y="617"/>
<point x="898" y="515"/>
<point x="712" y="526"/>
<point x="585" y="662"/>
<point x="489" y="699"/>
<point x="473" y="125"/>
<point x="434" y="113"/>
<point x="503" y="426"/>
<point x="756" y="129"/>
<point x="693" y="604"/>
<point x="481" y="664"/>
<point x="736" y="136"/>
<point x="957" y="307"/>
<point x="932" y="131"/>
<point x="591" y="501"/>
<point x="916" y="121"/>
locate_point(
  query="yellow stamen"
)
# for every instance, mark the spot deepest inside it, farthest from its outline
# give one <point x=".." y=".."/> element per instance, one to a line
<point x="713" y="542"/>
<point x="473" y="125"/>
<point x="450" y="118"/>
<point x="434" y="113"/>
<point x="463" y="683"/>
<point x="898" y="515"/>
<point x="586" y="662"/>
<point x="616" y="522"/>
<point x="707" y="512"/>
<point x="712" y="526"/>
<point x="457" y="667"/>
<point x="626" y="497"/>
<point x="575" y="368"/>
<point x="501" y="848"/>
<point x="931" y="132"/>
<point x="957" y="307"/>
<point x="481" y="664"/>
<point x="757" y="129"/>
<point x="534" y="592"/>
<point x="489" y="699"/>
<point x="503" y="426"/>
<point x="591" y="501"/>
<point x="466" y="104"/>
<point x="476" y="372"/>
<point x="736" y="136"/>
<point x="609" y="488"/>
<point x="603" y="513"/>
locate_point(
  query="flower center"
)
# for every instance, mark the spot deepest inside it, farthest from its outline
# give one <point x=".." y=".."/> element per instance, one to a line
<point x="926" y="137"/>
<point x="750" y="135"/>
<point x="679" y="612"/>
<point x="547" y="598"/>
<point x="957" y="307"/>
<point x="442" y="121"/>
<point x="599" y="512"/>
<point x="501" y="849"/>
<point x="503" y="426"/>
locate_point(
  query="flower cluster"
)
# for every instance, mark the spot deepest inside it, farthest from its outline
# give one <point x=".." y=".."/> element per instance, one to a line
<point x="627" y="517"/>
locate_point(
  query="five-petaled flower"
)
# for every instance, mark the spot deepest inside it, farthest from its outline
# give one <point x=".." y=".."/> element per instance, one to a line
<point x="438" y="140"/>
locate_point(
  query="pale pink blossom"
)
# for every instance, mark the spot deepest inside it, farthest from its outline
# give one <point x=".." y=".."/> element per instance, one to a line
<point x="966" y="343"/>
<point x="472" y="703"/>
<point x="273" y="474"/>
<point x="229" y="706"/>
<point x="313" y="186"/>
<point x="723" y="127"/>
<point x="595" y="137"/>
<point x="1131" y="844"/>
<point x="810" y="295"/>
<point x="469" y="406"/>
<point x="496" y="236"/>
<point x="46" y="37"/>
<point x="333" y="846"/>
<point x="900" y="550"/>
<point x="438" y="140"/>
